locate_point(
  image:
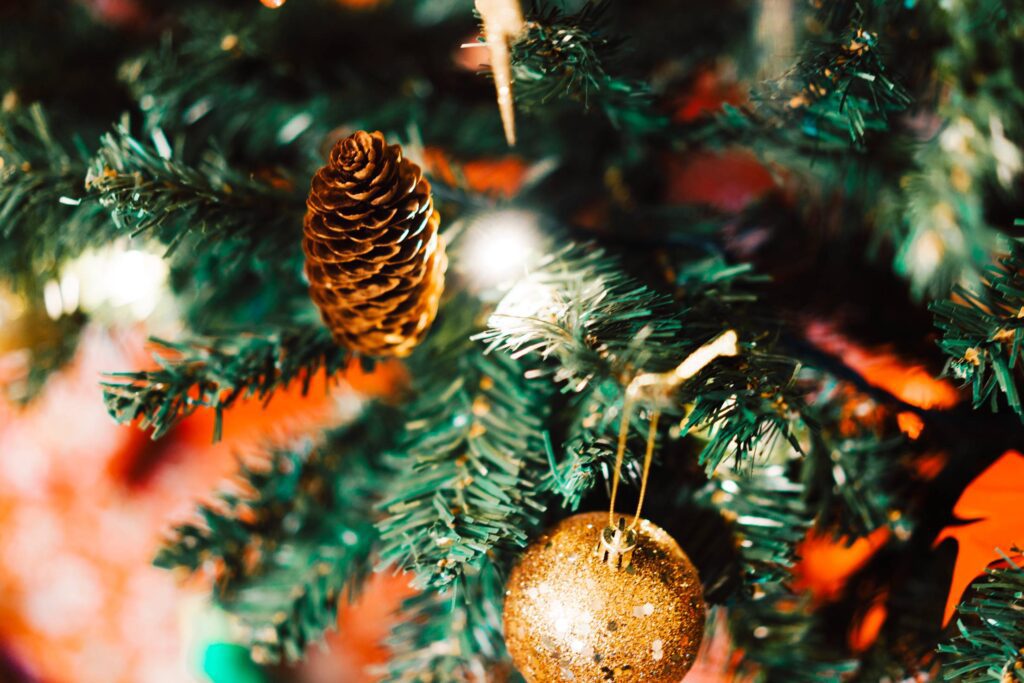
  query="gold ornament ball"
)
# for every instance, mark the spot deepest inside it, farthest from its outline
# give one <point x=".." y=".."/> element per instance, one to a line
<point x="570" y="615"/>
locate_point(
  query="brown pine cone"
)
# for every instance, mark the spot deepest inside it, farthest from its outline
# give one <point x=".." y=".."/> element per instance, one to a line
<point x="374" y="258"/>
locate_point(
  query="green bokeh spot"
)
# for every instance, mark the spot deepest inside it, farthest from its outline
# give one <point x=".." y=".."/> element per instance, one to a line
<point x="228" y="663"/>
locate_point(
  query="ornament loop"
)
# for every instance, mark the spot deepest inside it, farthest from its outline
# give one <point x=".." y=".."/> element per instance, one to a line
<point x="617" y="545"/>
<point x="658" y="387"/>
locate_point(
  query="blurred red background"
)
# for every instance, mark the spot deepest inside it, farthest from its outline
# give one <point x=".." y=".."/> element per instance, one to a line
<point x="83" y="505"/>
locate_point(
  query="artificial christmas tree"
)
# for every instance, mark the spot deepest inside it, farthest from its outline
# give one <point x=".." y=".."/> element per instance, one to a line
<point x="842" y="196"/>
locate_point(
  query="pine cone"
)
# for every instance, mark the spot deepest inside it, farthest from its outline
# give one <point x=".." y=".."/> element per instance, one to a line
<point x="374" y="258"/>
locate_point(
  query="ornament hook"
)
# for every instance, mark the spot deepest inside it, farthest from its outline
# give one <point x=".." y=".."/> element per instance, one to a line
<point x="617" y="545"/>
<point x="657" y="386"/>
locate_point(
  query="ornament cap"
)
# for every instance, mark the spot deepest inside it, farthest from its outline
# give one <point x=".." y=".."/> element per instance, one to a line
<point x="617" y="545"/>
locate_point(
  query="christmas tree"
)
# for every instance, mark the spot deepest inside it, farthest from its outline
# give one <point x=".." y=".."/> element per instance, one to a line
<point x="750" y="270"/>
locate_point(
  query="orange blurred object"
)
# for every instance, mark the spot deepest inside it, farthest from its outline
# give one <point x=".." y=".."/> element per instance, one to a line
<point x="357" y="646"/>
<point x="858" y="412"/>
<point x="991" y="509"/>
<point x="929" y="465"/>
<point x="910" y="424"/>
<point x="826" y="563"/>
<point x="84" y="504"/>
<point x="909" y="382"/>
<point x="499" y="177"/>
<point x="868" y="624"/>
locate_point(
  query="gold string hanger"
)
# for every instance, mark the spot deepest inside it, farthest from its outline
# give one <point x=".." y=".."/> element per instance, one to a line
<point x="657" y="387"/>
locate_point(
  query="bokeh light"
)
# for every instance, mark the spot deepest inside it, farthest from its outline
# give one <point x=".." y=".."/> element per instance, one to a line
<point x="499" y="246"/>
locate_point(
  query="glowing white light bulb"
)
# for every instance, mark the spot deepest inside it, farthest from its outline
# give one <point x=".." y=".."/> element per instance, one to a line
<point x="499" y="247"/>
<point x="52" y="300"/>
<point x="114" y="277"/>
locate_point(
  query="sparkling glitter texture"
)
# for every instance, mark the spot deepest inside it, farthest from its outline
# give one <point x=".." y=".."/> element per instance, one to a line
<point x="569" y="616"/>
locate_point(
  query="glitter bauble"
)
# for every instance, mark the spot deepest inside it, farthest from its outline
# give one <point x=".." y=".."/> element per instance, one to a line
<point x="573" y="615"/>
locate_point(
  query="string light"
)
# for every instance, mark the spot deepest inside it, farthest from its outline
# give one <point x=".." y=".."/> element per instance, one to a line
<point x="130" y="280"/>
<point x="52" y="299"/>
<point x="499" y="247"/>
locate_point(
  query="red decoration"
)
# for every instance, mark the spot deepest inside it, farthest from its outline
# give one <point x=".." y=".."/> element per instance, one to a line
<point x="868" y="623"/>
<point x="826" y="563"/>
<point x="727" y="180"/>
<point x="908" y="381"/>
<point x="499" y="177"/>
<point x="711" y="89"/>
<point x="991" y="507"/>
<point x="121" y="13"/>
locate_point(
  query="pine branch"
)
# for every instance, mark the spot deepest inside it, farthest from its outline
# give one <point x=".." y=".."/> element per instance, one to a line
<point x="580" y="309"/>
<point x="294" y="536"/>
<point x="271" y="86"/>
<point x="773" y="627"/>
<point x="216" y="374"/>
<point x="571" y="57"/>
<point x="839" y="92"/>
<point x="852" y="482"/>
<point x="220" y="72"/>
<point x="983" y="331"/>
<point x="45" y="221"/>
<point x="601" y="326"/>
<point x="210" y="205"/>
<point x="943" y="238"/>
<point x="769" y="516"/>
<point x="970" y="164"/>
<point x="783" y="642"/>
<point x="743" y="425"/>
<point x="587" y="459"/>
<point x="471" y="460"/>
<point x="746" y="408"/>
<point x="453" y="636"/>
<point x="989" y="645"/>
<point x="289" y="607"/>
<point x="45" y="218"/>
<point x="268" y="495"/>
